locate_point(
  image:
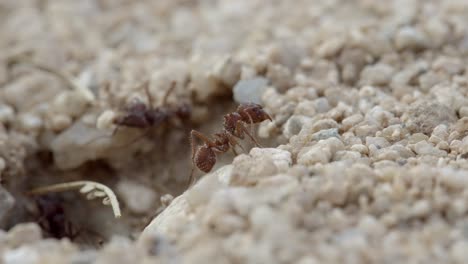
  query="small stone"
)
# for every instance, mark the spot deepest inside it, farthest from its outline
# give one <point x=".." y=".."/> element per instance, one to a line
<point x="105" y="121"/>
<point x="6" y="113"/>
<point x="322" y="125"/>
<point x="421" y="208"/>
<point x="410" y="38"/>
<point x="322" y="152"/>
<point x="360" y="148"/>
<point x="347" y="155"/>
<point x="441" y="131"/>
<point x="281" y="158"/>
<point x="437" y="31"/>
<point x="425" y="148"/>
<point x="451" y="66"/>
<point x="458" y="251"/>
<point x="137" y="197"/>
<point x="294" y="125"/>
<point x="7" y="201"/>
<point x="330" y="47"/>
<point x="30" y="122"/>
<point x="22" y="234"/>
<point x="70" y="103"/>
<point x="249" y="170"/>
<point x="425" y="116"/>
<point x="463" y="111"/>
<point x="60" y="122"/>
<point x="2" y="165"/>
<point x="250" y="90"/>
<point x="321" y="105"/>
<point x="365" y="130"/>
<point x="204" y="83"/>
<point x="379" y="142"/>
<point x="351" y="121"/>
<point x="428" y="80"/>
<point x="72" y="147"/>
<point x="280" y="77"/>
<point x="166" y="199"/>
<point x="326" y="133"/>
<point x="24" y="254"/>
<point x="379" y="74"/>
<point x="306" y="108"/>
<point x="378" y="116"/>
<point x="228" y="71"/>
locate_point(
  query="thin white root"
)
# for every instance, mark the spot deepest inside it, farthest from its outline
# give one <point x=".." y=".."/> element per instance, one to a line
<point x="70" y="81"/>
<point x="91" y="189"/>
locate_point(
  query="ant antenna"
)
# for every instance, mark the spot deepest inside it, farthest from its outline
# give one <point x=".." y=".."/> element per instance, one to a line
<point x="168" y="92"/>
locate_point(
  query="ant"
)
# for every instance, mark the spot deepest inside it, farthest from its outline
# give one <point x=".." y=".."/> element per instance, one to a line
<point x="139" y="115"/>
<point x="204" y="157"/>
<point x="53" y="219"/>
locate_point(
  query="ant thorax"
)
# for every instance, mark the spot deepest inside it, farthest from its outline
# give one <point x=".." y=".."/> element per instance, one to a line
<point x="135" y="117"/>
<point x="230" y="123"/>
<point x="158" y="116"/>
<point x="222" y="142"/>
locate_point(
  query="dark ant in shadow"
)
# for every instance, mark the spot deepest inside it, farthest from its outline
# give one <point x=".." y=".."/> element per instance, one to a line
<point x="52" y="217"/>
<point x="140" y="115"/>
<point x="204" y="157"/>
<point x="55" y="222"/>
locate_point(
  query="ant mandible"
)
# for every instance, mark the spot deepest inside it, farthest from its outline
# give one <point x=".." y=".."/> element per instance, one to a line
<point x="204" y="157"/>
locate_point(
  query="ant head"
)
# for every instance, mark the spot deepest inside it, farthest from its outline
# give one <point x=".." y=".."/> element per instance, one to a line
<point x="252" y="112"/>
<point x="184" y="111"/>
<point x="136" y="106"/>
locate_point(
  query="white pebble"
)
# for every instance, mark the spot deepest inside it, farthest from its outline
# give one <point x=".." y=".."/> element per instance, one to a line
<point x="425" y="148"/>
<point x="410" y="37"/>
<point x="250" y="90"/>
<point x="30" y="122"/>
<point x="281" y="158"/>
<point x="106" y="120"/>
<point x="321" y="105"/>
<point x="6" y="113"/>
<point x="138" y="197"/>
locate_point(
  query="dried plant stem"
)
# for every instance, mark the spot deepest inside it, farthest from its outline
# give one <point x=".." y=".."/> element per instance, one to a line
<point x="92" y="189"/>
<point x="69" y="80"/>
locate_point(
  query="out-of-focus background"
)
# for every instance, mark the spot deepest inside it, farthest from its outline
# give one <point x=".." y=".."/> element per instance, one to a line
<point x="364" y="161"/>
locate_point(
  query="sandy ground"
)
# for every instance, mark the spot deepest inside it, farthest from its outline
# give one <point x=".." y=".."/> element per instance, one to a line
<point x="364" y="161"/>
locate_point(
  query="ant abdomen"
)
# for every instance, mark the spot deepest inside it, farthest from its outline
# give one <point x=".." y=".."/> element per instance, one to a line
<point x="205" y="159"/>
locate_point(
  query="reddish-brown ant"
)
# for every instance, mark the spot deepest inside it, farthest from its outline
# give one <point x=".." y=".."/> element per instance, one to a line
<point x="139" y="115"/>
<point x="204" y="157"/>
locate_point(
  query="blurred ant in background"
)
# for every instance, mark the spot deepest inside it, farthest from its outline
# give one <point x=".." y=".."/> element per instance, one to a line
<point x="139" y="115"/>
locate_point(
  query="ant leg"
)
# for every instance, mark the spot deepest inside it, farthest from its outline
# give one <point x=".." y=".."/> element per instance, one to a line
<point x="70" y="231"/>
<point x="103" y="136"/>
<point x="191" y="177"/>
<point x="233" y="142"/>
<point x="146" y="85"/>
<point x="240" y="126"/>
<point x="145" y="133"/>
<point x="251" y="124"/>
<point x="195" y="134"/>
